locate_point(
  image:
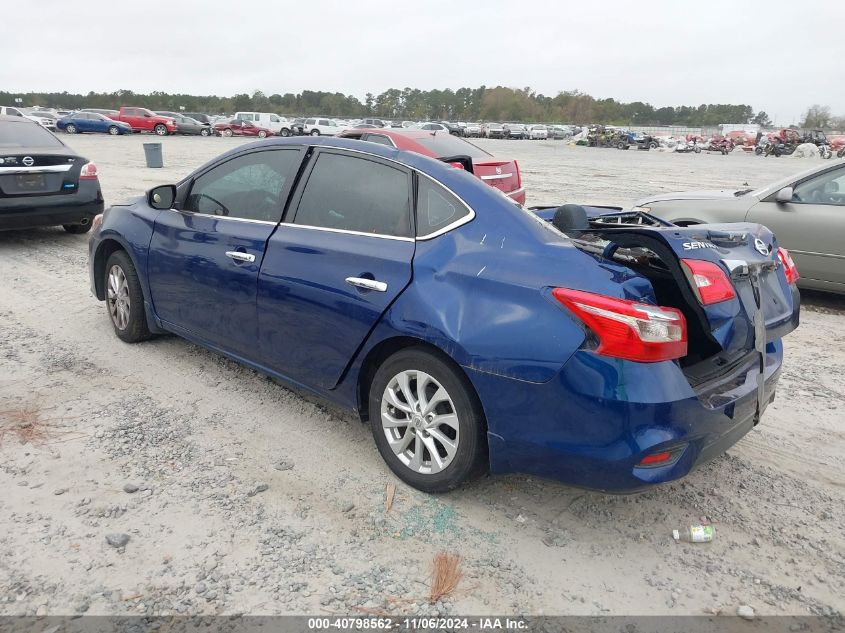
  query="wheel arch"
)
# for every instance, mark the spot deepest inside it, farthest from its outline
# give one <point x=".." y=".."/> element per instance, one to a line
<point x="386" y="348"/>
<point x="105" y="250"/>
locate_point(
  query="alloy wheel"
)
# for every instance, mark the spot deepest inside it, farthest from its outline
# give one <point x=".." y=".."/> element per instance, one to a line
<point x="118" y="297"/>
<point x="420" y="422"/>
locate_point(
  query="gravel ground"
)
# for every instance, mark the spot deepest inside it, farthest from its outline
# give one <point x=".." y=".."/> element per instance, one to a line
<point x="161" y="478"/>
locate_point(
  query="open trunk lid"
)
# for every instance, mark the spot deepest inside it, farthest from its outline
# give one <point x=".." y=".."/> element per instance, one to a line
<point x="722" y="334"/>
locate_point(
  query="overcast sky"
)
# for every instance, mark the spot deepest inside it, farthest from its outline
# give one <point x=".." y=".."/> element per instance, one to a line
<point x="775" y="55"/>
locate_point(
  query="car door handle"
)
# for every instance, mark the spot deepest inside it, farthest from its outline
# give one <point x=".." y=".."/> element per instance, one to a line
<point x="239" y="256"/>
<point x="367" y="284"/>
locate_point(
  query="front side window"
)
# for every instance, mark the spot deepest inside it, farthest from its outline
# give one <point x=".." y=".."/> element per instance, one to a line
<point x="356" y="194"/>
<point x="248" y="187"/>
<point x="827" y="188"/>
<point x="310" y="121"/>
<point x="436" y="207"/>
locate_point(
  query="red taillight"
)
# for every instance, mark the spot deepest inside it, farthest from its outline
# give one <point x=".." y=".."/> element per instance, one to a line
<point x="518" y="175"/>
<point x="628" y="329"/>
<point x="88" y="171"/>
<point x="655" y="458"/>
<point x="457" y="165"/>
<point x="709" y="281"/>
<point x="789" y="267"/>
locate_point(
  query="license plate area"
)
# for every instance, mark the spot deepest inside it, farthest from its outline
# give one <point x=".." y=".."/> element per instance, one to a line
<point x="30" y="182"/>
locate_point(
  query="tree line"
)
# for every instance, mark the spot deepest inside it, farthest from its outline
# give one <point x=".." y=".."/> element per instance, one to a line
<point x="465" y="104"/>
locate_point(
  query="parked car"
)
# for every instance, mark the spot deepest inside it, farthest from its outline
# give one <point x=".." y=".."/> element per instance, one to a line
<point x="80" y="122"/>
<point x="494" y="130"/>
<point x="432" y="127"/>
<point x="42" y="181"/>
<point x="320" y="126"/>
<point x="187" y="126"/>
<point x="806" y="212"/>
<point x="538" y="132"/>
<point x="198" y="116"/>
<point x="10" y="111"/>
<point x="239" y="127"/>
<point x="44" y="118"/>
<point x="473" y="130"/>
<point x="42" y="121"/>
<point x="267" y="120"/>
<point x="515" y="130"/>
<point x="112" y="114"/>
<point x="143" y="120"/>
<point x="500" y="173"/>
<point x="469" y="333"/>
<point x="376" y="122"/>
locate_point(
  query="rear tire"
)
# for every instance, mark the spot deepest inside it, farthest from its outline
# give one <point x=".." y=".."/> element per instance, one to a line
<point x="125" y="299"/>
<point x="227" y="132"/>
<point x="70" y="128"/>
<point x="315" y="132"/>
<point x="459" y="439"/>
<point x="77" y="229"/>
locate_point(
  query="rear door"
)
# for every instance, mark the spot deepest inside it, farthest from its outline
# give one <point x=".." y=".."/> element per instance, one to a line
<point x="204" y="257"/>
<point x="339" y="259"/>
<point x="811" y="225"/>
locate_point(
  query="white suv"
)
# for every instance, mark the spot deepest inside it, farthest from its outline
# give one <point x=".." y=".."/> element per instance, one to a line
<point x="322" y="127"/>
<point x="540" y="132"/>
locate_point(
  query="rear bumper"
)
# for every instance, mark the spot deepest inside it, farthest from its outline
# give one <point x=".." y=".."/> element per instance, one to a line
<point x="77" y="208"/>
<point x="517" y="195"/>
<point x="592" y="424"/>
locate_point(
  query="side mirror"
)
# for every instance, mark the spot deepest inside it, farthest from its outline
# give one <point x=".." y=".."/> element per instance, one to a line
<point x="162" y="197"/>
<point x="784" y="195"/>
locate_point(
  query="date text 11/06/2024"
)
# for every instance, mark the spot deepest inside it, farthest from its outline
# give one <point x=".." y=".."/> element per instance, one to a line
<point x="417" y="624"/>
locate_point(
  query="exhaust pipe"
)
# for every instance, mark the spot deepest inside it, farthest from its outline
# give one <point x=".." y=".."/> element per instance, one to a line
<point x="85" y="221"/>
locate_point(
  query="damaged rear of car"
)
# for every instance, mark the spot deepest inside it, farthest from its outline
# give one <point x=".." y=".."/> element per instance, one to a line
<point x="684" y="361"/>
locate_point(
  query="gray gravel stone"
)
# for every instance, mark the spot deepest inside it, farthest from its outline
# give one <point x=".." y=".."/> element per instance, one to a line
<point x="745" y="612"/>
<point x="117" y="539"/>
<point x="130" y="488"/>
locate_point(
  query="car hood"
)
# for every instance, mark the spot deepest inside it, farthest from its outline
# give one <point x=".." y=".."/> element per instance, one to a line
<point x="715" y="194"/>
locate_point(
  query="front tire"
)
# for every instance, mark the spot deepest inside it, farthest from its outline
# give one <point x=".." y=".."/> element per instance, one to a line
<point x="125" y="299"/>
<point x="227" y="132"/>
<point x="205" y="132"/>
<point x="160" y="129"/>
<point x="70" y="128"/>
<point x="113" y="130"/>
<point x="262" y="134"/>
<point x="427" y="421"/>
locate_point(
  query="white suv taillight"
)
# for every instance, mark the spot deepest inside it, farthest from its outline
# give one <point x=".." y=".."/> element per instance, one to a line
<point x="88" y="171"/>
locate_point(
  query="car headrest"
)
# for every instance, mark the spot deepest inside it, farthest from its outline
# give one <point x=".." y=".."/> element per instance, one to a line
<point x="571" y="218"/>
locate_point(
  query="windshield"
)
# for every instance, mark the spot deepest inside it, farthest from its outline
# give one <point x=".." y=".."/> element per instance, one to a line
<point x="447" y="145"/>
<point x="26" y="135"/>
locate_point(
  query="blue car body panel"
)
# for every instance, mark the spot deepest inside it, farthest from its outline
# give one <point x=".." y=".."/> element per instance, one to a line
<point x="481" y="294"/>
<point x="92" y="125"/>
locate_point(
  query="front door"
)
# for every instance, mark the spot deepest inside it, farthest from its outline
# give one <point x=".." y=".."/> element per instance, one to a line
<point x="334" y="266"/>
<point x="205" y="257"/>
<point x="811" y="225"/>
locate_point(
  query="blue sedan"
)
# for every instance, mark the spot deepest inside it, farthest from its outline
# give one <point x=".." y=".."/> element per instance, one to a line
<point x="603" y="348"/>
<point x="78" y="122"/>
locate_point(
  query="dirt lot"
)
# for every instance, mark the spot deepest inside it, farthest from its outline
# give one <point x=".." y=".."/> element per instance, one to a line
<point x="252" y="499"/>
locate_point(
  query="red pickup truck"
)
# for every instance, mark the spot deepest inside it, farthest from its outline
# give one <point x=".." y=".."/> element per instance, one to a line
<point x="142" y="120"/>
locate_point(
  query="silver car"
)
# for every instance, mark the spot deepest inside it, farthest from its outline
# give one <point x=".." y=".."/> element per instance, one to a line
<point x="805" y="211"/>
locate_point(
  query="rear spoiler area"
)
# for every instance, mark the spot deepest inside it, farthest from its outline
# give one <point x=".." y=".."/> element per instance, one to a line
<point x="460" y="160"/>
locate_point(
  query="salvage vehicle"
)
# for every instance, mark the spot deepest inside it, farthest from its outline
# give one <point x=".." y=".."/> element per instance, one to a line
<point x="494" y="130"/>
<point x="266" y="120"/>
<point x="239" y="127"/>
<point x="187" y="126"/>
<point x="81" y="122"/>
<point x="473" y="335"/>
<point x="143" y="120"/>
<point x="502" y="174"/>
<point x="806" y="212"/>
<point x="42" y="181"/>
<point x="322" y="127"/>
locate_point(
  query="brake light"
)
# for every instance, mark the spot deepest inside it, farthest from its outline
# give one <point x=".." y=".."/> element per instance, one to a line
<point x="709" y="280"/>
<point x="628" y="329"/>
<point x="88" y="171"/>
<point x="518" y="175"/>
<point x="789" y="267"/>
<point x="457" y="165"/>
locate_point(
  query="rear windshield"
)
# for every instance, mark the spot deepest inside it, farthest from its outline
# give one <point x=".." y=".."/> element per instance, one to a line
<point x="447" y="145"/>
<point x="26" y="135"/>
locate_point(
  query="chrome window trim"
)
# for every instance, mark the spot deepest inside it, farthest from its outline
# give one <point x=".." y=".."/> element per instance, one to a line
<point x="223" y="217"/>
<point x="44" y="169"/>
<point x="459" y="222"/>
<point x="347" y="232"/>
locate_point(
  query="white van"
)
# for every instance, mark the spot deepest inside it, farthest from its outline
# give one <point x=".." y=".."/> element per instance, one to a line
<point x="278" y="124"/>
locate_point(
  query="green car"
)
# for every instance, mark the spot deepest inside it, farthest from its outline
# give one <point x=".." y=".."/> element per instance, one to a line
<point x="806" y="212"/>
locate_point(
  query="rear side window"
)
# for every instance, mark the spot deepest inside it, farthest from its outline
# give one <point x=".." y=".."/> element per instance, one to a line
<point x="381" y="139"/>
<point x="436" y="207"/>
<point x="26" y="134"/>
<point x="247" y="187"/>
<point x="356" y="194"/>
